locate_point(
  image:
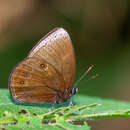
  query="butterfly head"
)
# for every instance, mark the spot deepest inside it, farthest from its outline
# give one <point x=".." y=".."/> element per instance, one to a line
<point x="74" y="91"/>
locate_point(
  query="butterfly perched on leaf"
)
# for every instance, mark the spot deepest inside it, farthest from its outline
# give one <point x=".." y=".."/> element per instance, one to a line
<point x="46" y="75"/>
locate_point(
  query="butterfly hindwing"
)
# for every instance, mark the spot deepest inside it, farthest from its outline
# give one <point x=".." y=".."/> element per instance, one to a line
<point x="35" y="81"/>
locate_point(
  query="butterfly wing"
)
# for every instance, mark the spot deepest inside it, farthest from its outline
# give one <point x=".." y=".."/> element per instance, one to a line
<point x="35" y="81"/>
<point x="56" y="48"/>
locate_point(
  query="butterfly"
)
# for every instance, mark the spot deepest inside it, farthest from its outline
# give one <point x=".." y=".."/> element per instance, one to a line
<point x="46" y="75"/>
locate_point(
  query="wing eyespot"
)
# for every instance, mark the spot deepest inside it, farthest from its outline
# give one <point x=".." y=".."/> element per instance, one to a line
<point x="21" y="82"/>
<point x="42" y="65"/>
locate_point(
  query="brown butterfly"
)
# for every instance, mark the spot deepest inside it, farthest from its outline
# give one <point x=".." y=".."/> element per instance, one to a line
<point x="47" y="74"/>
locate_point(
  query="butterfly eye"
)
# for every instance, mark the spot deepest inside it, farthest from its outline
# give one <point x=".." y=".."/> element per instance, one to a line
<point x="74" y="91"/>
<point x="21" y="82"/>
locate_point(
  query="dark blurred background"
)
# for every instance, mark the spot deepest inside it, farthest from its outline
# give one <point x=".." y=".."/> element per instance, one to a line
<point x="100" y="32"/>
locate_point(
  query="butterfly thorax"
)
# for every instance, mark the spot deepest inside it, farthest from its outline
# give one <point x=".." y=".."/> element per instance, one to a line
<point x="63" y="97"/>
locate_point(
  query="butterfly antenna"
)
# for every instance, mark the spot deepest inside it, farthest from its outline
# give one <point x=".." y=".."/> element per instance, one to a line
<point x="83" y="75"/>
<point x="93" y="77"/>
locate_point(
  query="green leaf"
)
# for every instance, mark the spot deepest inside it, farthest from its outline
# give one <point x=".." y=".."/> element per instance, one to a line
<point x="60" y="121"/>
<point x="28" y="116"/>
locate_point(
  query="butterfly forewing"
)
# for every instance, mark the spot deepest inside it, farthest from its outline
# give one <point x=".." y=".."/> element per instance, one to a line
<point x="36" y="81"/>
<point x="56" y="48"/>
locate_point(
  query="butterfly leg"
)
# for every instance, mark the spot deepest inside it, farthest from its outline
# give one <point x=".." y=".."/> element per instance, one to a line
<point x="71" y="103"/>
<point x="52" y="106"/>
